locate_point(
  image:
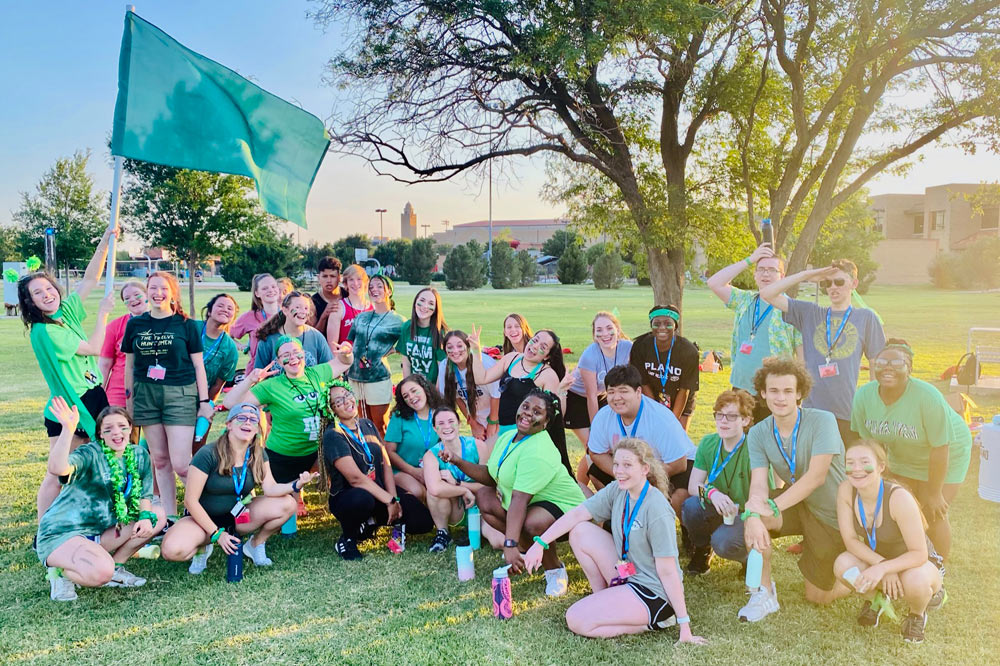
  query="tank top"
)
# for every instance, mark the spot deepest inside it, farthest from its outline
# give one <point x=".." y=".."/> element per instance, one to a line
<point x="350" y="312"/>
<point x="469" y="452"/>
<point x="513" y="390"/>
<point x="889" y="539"/>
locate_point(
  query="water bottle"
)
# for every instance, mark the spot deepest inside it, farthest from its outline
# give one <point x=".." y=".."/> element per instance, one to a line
<point x="234" y="565"/>
<point x="503" y="604"/>
<point x="475" y="527"/>
<point x="463" y="557"/>
<point x="755" y="566"/>
<point x="201" y="427"/>
<point x="289" y="527"/>
<point x="767" y="232"/>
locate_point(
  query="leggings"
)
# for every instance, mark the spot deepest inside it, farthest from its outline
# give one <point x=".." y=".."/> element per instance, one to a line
<point x="354" y="506"/>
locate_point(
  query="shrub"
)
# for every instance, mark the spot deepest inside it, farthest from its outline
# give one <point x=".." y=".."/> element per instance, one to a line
<point x="505" y="270"/>
<point x="528" y="268"/>
<point x="609" y="270"/>
<point x="572" y="266"/>
<point x="265" y="250"/>
<point x="464" y="268"/>
<point x="975" y="268"/>
<point x="418" y="262"/>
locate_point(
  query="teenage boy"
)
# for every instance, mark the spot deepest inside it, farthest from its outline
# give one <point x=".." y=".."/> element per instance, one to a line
<point x="667" y="362"/>
<point x="326" y="299"/>
<point x="759" y="331"/>
<point x="629" y="413"/>
<point x="833" y="338"/>
<point x="804" y="449"/>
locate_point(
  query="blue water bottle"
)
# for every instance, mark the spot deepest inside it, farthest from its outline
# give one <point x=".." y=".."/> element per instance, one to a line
<point x="755" y="567"/>
<point x="767" y="232"/>
<point x="201" y="427"/>
<point x="290" y="527"/>
<point x="475" y="527"/>
<point x="234" y="565"/>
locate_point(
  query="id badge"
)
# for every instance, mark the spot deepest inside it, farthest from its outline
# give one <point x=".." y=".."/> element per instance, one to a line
<point x="746" y="348"/>
<point x="156" y="372"/>
<point x="371" y="473"/>
<point x="625" y="569"/>
<point x="665" y="401"/>
<point x="829" y="370"/>
<point x="238" y="510"/>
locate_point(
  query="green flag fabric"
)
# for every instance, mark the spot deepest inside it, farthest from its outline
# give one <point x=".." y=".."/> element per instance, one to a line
<point x="178" y="108"/>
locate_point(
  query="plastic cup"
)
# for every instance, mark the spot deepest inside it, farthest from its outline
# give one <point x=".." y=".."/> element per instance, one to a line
<point x="729" y="519"/>
<point x="851" y="575"/>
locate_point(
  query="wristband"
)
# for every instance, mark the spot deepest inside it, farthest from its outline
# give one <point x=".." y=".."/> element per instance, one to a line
<point x="748" y="262"/>
<point x="749" y="514"/>
<point x="208" y="400"/>
<point x="683" y="620"/>
<point x="774" y="507"/>
<point x="538" y="540"/>
<point x="216" y="535"/>
<point x="147" y="515"/>
<point x="394" y="500"/>
<point x="490" y="421"/>
<point x="294" y="487"/>
<point x="708" y="493"/>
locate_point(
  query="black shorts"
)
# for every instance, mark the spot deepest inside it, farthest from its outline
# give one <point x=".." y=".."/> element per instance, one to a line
<point x="554" y="510"/>
<point x="658" y="608"/>
<point x="680" y="480"/>
<point x="286" y="469"/>
<point x="95" y="400"/>
<point x="820" y="547"/>
<point x="577" y="416"/>
<point x="226" y="521"/>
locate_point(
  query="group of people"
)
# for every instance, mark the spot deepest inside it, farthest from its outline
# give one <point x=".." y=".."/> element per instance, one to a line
<point x="865" y="474"/>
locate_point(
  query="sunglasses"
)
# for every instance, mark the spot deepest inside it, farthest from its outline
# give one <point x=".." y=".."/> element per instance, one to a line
<point x="732" y="418"/>
<point x="826" y="284"/>
<point x="895" y="363"/>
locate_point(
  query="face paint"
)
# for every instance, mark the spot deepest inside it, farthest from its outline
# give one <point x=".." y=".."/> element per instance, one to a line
<point x="869" y="468"/>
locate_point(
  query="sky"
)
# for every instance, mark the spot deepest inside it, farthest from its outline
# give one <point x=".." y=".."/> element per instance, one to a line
<point x="59" y="73"/>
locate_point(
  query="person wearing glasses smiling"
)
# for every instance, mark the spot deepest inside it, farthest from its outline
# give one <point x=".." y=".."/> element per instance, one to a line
<point x="668" y="363"/>
<point x="758" y="331"/>
<point x="833" y="338"/>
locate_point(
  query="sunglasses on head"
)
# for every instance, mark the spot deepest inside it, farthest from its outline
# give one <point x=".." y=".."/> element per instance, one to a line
<point x="826" y="284"/>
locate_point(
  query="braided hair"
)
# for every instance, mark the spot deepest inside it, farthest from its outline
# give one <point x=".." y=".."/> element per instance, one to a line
<point x="551" y="401"/>
<point x="328" y="419"/>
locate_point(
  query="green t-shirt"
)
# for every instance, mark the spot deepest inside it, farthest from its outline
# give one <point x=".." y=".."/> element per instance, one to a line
<point x="219" y="494"/>
<point x="83" y="506"/>
<point x="296" y="407"/>
<point x="734" y="478"/>
<point x="420" y="350"/>
<point x="220" y="356"/>
<point x="818" y="435"/>
<point x="373" y="336"/>
<point x="653" y="533"/>
<point x="412" y="437"/>
<point x="532" y="465"/>
<point x="79" y="373"/>
<point x="908" y="428"/>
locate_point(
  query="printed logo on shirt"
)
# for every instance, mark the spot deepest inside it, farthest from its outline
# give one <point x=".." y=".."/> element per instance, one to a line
<point x="421" y="355"/>
<point x="91" y="378"/>
<point x="153" y="343"/>
<point x="891" y="428"/>
<point x="847" y="344"/>
<point x="654" y="370"/>
<point x="310" y="426"/>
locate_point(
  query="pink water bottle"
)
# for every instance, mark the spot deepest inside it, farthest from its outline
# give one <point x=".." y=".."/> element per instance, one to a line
<point x="503" y="604"/>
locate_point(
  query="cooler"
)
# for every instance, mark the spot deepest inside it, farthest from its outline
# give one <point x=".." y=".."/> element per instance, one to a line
<point x="989" y="466"/>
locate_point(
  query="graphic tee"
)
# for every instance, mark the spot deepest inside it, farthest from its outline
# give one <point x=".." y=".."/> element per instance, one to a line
<point x="167" y="342"/>
<point x="296" y="407"/>
<point x="219" y="495"/>
<point x="682" y="373"/>
<point x="420" y="350"/>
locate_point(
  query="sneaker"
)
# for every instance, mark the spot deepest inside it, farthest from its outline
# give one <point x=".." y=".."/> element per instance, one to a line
<point x="399" y="537"/>
<point x="200" y="560"/>
<point x="122" y="577"/>
<point x="666" y="624"/>
<point x="556" y="582"/>
<point x="61" y="588"/>
<point x="167" y="524"/>
<point x="912" y="628"/>
<point x="441" y="542"/>
<point x="938" y="599"/>
<point x="347" y="549"/>
<point x="701" y="560"/>
<point x="762" y="603"/>
<point x="257" y="554"/>
<point x="367" y="530"/>
<point x="869" y="617"/>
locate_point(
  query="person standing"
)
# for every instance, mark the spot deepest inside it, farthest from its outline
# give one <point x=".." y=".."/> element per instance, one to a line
<point x="265" y="302"/>
<point x="220" y="354"/>
<point x="292" y="322"/>
<point x="326" y="301"/>
<point x="421" y="339"/>
<point x="759" y="331"/>
<point x="516" y="333"/>
<point x="112" y="359"/>
<point x="340" y="322"/>
<point x="668" y="363"/>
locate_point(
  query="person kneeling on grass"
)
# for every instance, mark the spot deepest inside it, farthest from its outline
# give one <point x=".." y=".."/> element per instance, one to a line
<point x="633" y="571"/>
<point x="449" y="490"/>
<point x="886" y="539"/>
<point x="93" y="526"/>
<point x="526" y="487"/>
<point x="219" y="502"/>
<point x="363" y="492"/>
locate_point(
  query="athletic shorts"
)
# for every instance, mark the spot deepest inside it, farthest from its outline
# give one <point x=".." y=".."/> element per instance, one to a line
<point x="94" y="400"/>
<point x="658" y="609"/>
<point x="226" y="521"/>
<point x="372" y="393"/>
<point x="576" y="415"/>
<point x="156" y="404"/>
<point x="286" y="469"/>
<point x="821" y="546"/>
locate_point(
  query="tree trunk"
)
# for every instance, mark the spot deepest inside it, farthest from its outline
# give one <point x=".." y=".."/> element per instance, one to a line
<point x="666" y="274"/>
<point x="192" y="267"/>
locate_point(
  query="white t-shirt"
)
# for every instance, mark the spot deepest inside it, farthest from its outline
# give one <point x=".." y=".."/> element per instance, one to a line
<point x="593" y="359"/>
<point x="656" y="425"/>
<point x="483" y="393"/>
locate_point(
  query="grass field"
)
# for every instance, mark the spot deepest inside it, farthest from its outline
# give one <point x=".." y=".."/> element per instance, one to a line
<point x="313" y="608"/>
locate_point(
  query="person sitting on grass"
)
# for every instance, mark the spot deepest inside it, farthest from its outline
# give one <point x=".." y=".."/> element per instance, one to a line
<point x="633" y="572"/>
<point x="720" y="484"/>
<point x="362" y="491"/>
<point x="219" y="500"/>
<point x="94" y="526"/>
<point x="410" y="432"/>
<point x="525" y="486"/>
<point x="449" y="490"/>
<point x="886" y="539"/>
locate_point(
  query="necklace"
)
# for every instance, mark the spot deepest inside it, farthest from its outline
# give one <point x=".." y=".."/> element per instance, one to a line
<point x="125" y="486"/>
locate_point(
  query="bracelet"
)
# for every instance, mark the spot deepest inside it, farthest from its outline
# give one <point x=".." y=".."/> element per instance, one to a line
<point x="708" y="494"/>
<point x="208" y="400"/>
<point x="538" y="540"/>
<point x="394" y="500"/>
<point x="749" y="514"/>
<point x="683" y="620"/>
<point x="490" y="421"/>
<point x="216" y="535"/>
<point x="748" y="262"/>
<point x="774" y="507"/>
<point x="147" y="515"/>
<point x="294" y="488"/>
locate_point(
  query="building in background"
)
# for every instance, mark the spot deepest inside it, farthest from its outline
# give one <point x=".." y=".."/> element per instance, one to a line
<point x="528" y="234"/>
<point x="408" y="222"/>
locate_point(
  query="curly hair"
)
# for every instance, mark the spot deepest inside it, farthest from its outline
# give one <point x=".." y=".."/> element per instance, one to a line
<point x="744" y="402"/>
<point x="434" y="399"/>
<point x="657" y="475"/>
<point x="550" y="399"/>
<point x="30" y="313"/>
<point x="783" y="366"/>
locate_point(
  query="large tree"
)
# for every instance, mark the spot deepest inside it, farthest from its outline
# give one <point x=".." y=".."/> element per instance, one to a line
<point x="445" y="86"/>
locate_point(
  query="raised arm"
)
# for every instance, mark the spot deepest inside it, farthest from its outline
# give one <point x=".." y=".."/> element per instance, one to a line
<point x="342" y="359"/>
<point x="774" y="293"/>
<point x="241" y="392"/>
<point x="95" y="267"/>
<point x="483" y="374"/>
<point x="720" y="283"/>
<point x="333" y="320"/>
<point x="93" y="345"/>
<point x="69" y="418"/>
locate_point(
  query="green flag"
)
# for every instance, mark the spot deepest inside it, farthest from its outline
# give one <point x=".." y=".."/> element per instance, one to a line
<point x="178" y="108"/>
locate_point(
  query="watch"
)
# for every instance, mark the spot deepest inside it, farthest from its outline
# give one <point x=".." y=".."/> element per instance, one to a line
<point x="509" y="543"/>
<point x="394" y="500"/>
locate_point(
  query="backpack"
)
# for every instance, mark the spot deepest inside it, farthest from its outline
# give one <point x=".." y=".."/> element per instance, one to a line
<point x="967" y="370"/>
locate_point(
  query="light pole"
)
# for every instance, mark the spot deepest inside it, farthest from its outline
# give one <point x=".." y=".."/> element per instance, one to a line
<point x="380" y="211"/>
<point x="426" y="227"/>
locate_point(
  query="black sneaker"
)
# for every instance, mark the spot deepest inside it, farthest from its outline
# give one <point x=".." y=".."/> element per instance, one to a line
<point x="912" y="628"/>
<point x="367" y="531"/>
<point x="938" y="599"/>
<point x="347" y="549"/>
<point x="441" y="542"/>
<point x="869" y="617"/>
<point x="701" y="560"/>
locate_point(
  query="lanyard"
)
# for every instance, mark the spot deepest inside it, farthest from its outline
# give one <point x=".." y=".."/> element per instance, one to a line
<point x="504" y="454"/>
<point x="872" y="538"/>
<point x="635" y="424"/>
<point x="243" y="475"/>
<point x="314" y="407"/>
<point x="666" y="367"/>
<point x="425" y="434"/>
<point x="362" y="443"/>
<point x="627" y="526"/>
<point x="368" y="332"/>
<point x="716" y="467"/>
<point x="614" y="362"/>
<point x="843" y="323"/>
<point x="459" y="374"/>
<point x="211" y="352"/>
<point x="794" y="439"/>
<point x="757" y="321"/>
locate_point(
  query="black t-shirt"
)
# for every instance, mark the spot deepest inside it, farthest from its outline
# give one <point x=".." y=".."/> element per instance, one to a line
<point x="683" y="367"/>
<point x="320" y="306"/>
<point x="337" y="444"/>
<point x="219" y="495"/>
<point x="167" y="342"/>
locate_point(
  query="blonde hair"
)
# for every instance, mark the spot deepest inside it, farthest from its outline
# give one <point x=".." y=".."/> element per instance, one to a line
<point x="657" y="476"/>
<point x="354" y="271"/>
<point x="613" y="319"/>
<point x="131" y="283"/>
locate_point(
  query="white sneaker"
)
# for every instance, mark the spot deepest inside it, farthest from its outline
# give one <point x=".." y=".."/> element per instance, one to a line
<point x="61" y="588"/>
<point x="669" y="622"/>
<point x="762" y="603"/>
<point x="122" y="577"/>
<point x="257" y="554"/>
<point x="556" y="582"/>
<point x="200" y="560"/>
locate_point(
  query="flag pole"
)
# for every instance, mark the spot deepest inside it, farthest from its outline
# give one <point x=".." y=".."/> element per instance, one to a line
<point x="116" y="191"/>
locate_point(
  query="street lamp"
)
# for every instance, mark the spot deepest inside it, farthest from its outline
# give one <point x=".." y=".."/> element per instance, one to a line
<point x="380" y="211"/>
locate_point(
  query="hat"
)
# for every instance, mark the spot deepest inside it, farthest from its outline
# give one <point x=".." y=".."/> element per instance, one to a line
<point x="243" y="408"/>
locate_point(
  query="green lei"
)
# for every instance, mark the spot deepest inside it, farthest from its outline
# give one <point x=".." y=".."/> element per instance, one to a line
<point x="126" y="509"/>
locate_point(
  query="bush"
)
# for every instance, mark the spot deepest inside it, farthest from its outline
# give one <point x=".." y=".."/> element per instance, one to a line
<point x="505" y="269"/>
<point x="465" y="268"/>
<point x="528" y="268"/>
<point x="418" y="262"/>
<point x="572" y="266"/>
<point x="975" y="268"/>
<point x="609" y="270"/>
<point x="265" y="250"/>
<point x="560" y="240"/>
<point x="437" y="276"/>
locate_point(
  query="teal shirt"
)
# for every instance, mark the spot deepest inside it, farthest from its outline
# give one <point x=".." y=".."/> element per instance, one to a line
<point x="220" y="356"/>
<point x="470" y="452"/>
<point x="413" y="437"/>
<point x="373" y="336"/>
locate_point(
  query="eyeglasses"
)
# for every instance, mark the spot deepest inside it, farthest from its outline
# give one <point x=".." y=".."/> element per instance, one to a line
<point x="723" y="416"/>
<point x="346" y="400"/>
<point x="663" y="322"/>
<point x="826" y="284"/>
<point x="767" y="271"/>
<point x="243" y="418"/>
<point x="288" y="357"/>
<point x="896" y="363"/>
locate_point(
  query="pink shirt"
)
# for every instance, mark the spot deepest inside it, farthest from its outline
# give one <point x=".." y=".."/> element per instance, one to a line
<point x="248" y="322"/>
<point x="114" y="384"/>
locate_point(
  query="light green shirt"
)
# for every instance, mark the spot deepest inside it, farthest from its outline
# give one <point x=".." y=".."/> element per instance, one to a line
<point x="296" y="407"/>
<point x="532" y="465"/>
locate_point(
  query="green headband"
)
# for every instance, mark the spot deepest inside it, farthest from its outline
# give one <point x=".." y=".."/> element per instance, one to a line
<point x="284" y="340"/>
<point x="905" y="348"/>
<point x="665" y="312"/>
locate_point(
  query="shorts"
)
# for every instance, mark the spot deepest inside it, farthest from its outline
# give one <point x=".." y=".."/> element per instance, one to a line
<point x="226" y="521"/>
<point x="160" y="404"/>
<point x="577" y="416"/>
<point x="680" y="479"/>
<point x="821" y="546"/>
<point x="372" y="393"/>
<point x="94" y="400"/>
<point x="554" y="511"/>
<point x="286" y="469"/>
<point x="658" y="609"/>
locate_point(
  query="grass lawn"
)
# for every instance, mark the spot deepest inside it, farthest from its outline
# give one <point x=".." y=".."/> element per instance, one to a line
<point x="313" y="608"/>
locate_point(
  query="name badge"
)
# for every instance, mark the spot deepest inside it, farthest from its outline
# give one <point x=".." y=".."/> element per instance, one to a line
<point x="371" y="473"/>
<point x="829" y="370"/>
<point x="746" y="348"/>
<point x="665" y="401"/>
<point x="156" y="372"/>
<point x="238" y="510"/>
<point x="625" y="569"/>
